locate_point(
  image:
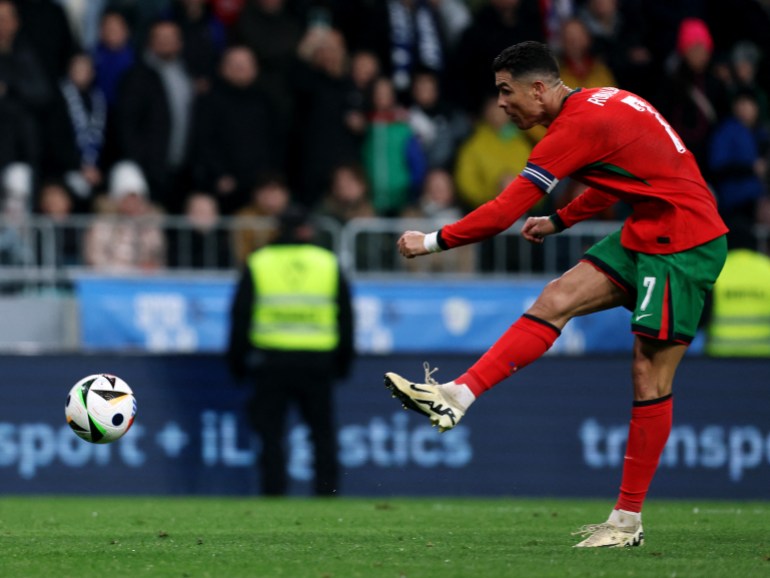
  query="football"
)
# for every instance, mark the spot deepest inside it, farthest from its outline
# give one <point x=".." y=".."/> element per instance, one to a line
<point x="100" y="408"/>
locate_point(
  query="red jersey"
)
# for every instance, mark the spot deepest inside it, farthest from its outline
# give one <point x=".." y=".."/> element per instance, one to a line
<point x="623" y="149"/>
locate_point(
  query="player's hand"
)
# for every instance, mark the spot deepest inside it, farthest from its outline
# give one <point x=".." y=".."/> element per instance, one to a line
<point x="537" y="228"/>
<point x="412" y="244"/>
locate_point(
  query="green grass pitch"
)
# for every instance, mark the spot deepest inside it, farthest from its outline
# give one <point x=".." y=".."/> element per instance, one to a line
<point x="64" y="537"/>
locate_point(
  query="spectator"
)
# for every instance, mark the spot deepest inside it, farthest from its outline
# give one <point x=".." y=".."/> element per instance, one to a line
<point x="237" y="136"/>
<point x="19" y="142"/>
<point x="200" y="242"/>
<point x="738" y="160"/>
<point x="203" y="38"/>
<point x="76" y="129"/>
<point x="15" y="236"/>
<point x="618" y="29"/>
<point x="126" y="234"/>
<point x="692" y="98"/>
<point x="45" y="26"/>
<point x="438" y="125"/>
<point x="495" y="150"/>
<point x="140" y="16"/>
<point x="24" y="92"/>
<point x="496" y="25"/>
<point x="255" y="226"/>
<point x="579" y="67"/>
<point x="328" y="127"/>
<point x="364" y="70"/>
<point x="437" y="204"/>
<point x="406" y="36"/>
<point x="348" y="195"/>
<point x="153" y="116"/>
<point x="738" y="324"/>
<point x="56" y="203"/>
<point x="394" y="161"/>
<point x="273" y="34"/>
<point x="292" y="308"/>
<point x="744" y="60"/>
<point x="113" y="54"/>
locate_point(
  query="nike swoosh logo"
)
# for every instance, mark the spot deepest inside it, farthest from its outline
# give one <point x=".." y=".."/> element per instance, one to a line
<point x="415" y="388"/>
<point x="640" y="317"/>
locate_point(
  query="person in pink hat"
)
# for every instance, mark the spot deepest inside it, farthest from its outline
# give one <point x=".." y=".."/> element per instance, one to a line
<point x="692" y="97"/>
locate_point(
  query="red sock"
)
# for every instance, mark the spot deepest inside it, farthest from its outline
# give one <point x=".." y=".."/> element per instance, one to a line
<point x="647" y="435"/>
<point x="524" y="342"/>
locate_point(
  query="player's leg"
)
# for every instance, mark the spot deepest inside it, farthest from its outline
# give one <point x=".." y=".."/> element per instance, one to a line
<point x="581" y="290"/>
<point x="672" y="290"/>
<point x="653" y="369"/>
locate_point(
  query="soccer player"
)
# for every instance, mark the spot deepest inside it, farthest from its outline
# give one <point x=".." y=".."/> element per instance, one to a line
<point x="660" y="264"/>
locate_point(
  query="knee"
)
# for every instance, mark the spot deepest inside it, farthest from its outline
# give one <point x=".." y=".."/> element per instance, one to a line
<point x="555" y="302"/>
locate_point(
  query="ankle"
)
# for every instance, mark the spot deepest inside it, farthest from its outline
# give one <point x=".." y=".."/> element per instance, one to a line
<point x="460" y="394"/>
<point x="624" y="518"/>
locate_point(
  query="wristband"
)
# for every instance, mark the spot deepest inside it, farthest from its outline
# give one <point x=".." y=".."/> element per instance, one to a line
<point x="557" y="222"/>
<point x="430" y="242"/>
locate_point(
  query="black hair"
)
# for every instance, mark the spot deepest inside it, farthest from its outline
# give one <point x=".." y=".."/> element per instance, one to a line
<point x="526" y="58"/>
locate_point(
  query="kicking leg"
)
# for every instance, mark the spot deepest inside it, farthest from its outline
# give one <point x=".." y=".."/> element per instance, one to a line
<point x="580" y="291"/>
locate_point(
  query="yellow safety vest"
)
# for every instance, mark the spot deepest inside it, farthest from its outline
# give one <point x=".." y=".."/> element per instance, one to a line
<point x="740" y="322"/>
<point x="296" y="298"/>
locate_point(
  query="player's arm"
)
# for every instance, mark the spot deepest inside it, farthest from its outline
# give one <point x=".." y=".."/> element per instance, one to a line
<point x="589" y="203"/>
<point x="486" y="221"/>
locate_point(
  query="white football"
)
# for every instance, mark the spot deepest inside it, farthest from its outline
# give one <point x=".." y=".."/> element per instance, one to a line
<point x="100" y="408"/>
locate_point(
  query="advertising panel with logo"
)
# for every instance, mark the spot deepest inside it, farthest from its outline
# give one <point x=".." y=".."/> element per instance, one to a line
<point x="557" y="428"/>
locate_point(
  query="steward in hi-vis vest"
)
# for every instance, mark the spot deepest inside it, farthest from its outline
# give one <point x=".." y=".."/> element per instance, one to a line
<point x="295" y="308"/>
<point x="292" y="334"/>
<point x="740" y="315"/>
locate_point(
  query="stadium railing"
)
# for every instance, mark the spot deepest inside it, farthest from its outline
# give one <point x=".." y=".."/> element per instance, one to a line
<point x="37" y="253"/>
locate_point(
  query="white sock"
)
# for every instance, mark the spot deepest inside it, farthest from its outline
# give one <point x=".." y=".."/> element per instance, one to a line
<point x="459" y="393"/>
<point x="625" y="519"/>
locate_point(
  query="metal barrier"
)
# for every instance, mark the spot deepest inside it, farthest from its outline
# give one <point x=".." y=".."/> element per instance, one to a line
<point x="37" y="253"/>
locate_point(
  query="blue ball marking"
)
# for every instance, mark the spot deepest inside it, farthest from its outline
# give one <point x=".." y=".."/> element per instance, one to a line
<point x="117" y="419"/>
<point x="67" y="403"/>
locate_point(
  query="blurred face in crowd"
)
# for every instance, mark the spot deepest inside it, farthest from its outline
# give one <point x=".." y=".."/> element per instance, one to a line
<point x="55" y="202"/>
<point x="348" y="185"/>
<point x="364" y="68"/>
<point x="272" y="199"/>
<point x="697" y="57"/>
<point x="81" y="71"/>
<point x="114" y="31"/>
<point x="575" y="39"/>
<point x="331" y="54"/>
<point x="439" y="189"/>
<point x="132" y="204"/>
<point x="603" y="9"/>
<point x="202" y="211"/>
<point x="9" y="24"/>
<point x="744" y="70"/>
<point x="746" y="110"/>
<point x="239" y="67"/>
<point x="165" y="41"/>
<point x="425" y="90"/>
<point x="383" y="94"/>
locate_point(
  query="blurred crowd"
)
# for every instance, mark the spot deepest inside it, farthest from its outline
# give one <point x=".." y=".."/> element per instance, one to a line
<point x="350" y="108"/>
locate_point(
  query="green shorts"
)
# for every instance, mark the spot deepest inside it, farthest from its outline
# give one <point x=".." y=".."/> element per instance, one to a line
<point x="669" y="291"/>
